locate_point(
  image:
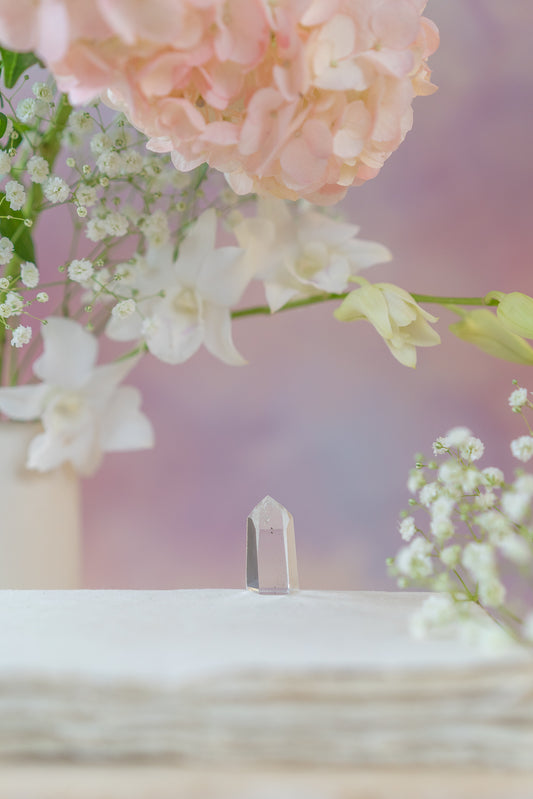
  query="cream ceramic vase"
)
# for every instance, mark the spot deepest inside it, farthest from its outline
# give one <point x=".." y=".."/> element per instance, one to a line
<point x="40" y="519"/>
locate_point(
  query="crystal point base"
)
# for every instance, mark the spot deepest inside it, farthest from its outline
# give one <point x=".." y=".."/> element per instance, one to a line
<point x="271" y="549"/>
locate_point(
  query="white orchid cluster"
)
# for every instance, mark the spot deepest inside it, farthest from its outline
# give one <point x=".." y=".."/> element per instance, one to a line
<point x="147" y="265"/>
<point x="83" y="409"/>
<point x="477" y="550"/>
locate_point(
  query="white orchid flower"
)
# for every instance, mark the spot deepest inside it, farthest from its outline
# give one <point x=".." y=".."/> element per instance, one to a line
<point x="299" y="251"/>
<point x="199" y="290"/>
<point x="401" y="322"/>
<point x="83" y="410"/>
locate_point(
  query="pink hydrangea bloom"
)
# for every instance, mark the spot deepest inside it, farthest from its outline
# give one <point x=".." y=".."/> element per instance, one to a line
<point x="297" y="98"/>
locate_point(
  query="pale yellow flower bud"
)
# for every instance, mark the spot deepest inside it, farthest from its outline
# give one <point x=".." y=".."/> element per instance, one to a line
<point x="401" y="322"/>
<point x="485" y="330"/>
<point x="515" y="311"/>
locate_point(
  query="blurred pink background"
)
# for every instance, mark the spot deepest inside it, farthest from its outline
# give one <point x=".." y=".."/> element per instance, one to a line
<point x="323" y="418"/>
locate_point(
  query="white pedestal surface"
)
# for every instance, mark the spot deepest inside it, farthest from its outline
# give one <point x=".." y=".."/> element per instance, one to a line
<point x="231" y="679"/>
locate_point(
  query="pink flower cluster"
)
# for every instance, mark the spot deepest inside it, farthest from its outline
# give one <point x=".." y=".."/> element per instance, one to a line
<point x="297" y="98"/>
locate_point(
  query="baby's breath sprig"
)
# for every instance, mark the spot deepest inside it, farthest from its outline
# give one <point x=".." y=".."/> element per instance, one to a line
<point x="478" y="549"/>
<point x="126" y="203"/>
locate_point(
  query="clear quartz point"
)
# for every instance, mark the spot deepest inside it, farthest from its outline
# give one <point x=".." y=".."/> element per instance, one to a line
<point x="271" y="549"/>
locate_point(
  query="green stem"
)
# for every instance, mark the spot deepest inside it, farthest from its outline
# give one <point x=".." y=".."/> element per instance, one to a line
<point x="48" y="148"/>
<point x="505" y="627"/>
<point x="501" y="623"/>
<point x="452" y="300"/>
<point x="427" y="298"/>
<point x="467" y="589"/>
<point x="11" y="271"/>
<point x="506" y="612"/>
<point x="141" y="349"/>
<point x="51" y="143"/>
<point x="264" y="309"/>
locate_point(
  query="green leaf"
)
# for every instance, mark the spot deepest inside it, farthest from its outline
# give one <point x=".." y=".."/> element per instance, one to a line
<point x="3" y="124"/>
<point x="15" y="64"/>
<point x="20" y="235"/>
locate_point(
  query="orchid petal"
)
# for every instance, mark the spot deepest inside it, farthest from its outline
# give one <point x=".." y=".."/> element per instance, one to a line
<point x="274" y="209"/>
<point x="256" y="234"/>
<point x="404" y="353"/>
<point x="278" y="295"/>
<point x="124" y="329"/>
<point x="224" y="276"/>
<point x="48" y="451"/>
<point x="329" y="231"/>
<point x="367" y="302"/>
<point x="198" y="243"/>
<point x="174" y="339"/>
<point x="124" y="427"/>
<point x="421" y="334"/>
<point x="218" y="338"/>
<point x="363" y="253"/>
<point x="23" y="403"/>
<point x="69" y="354"/>
<point x="403" y="313"/>
<point x="105" y="380"/>
<point x="389" y="288"/>
<point x="43" y="454"/>
<point x="84" y="452"/>
<point x="334" y="278"/>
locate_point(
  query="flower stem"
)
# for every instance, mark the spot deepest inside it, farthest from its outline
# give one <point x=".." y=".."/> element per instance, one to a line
<point x="140" y="350"/>
<point x="264" y="309"/>
<point x="452" y="300"/>
<point x="505" y="627"/>
<point x="48" y="148"/>
<point x="427" y="298"/>
<point x="51" y="141"/>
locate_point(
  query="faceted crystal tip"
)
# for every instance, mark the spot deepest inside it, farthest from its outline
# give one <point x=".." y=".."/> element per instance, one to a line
<point x="271" y="566"/>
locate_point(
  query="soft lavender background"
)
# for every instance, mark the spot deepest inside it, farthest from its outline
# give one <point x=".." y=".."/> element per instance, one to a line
<point x="323" y="418"/>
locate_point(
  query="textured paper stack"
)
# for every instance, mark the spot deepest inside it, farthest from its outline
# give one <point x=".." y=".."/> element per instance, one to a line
<point x="328" y="679"/>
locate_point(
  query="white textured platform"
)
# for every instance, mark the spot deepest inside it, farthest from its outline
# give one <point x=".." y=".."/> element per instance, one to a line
<point x="323" y="678"/>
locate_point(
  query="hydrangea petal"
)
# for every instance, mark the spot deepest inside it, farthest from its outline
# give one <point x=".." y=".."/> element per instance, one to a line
<point x="176" y="67"/>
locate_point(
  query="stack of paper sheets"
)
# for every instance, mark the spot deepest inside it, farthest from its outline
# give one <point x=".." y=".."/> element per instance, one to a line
<point x="230" y="677"/>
